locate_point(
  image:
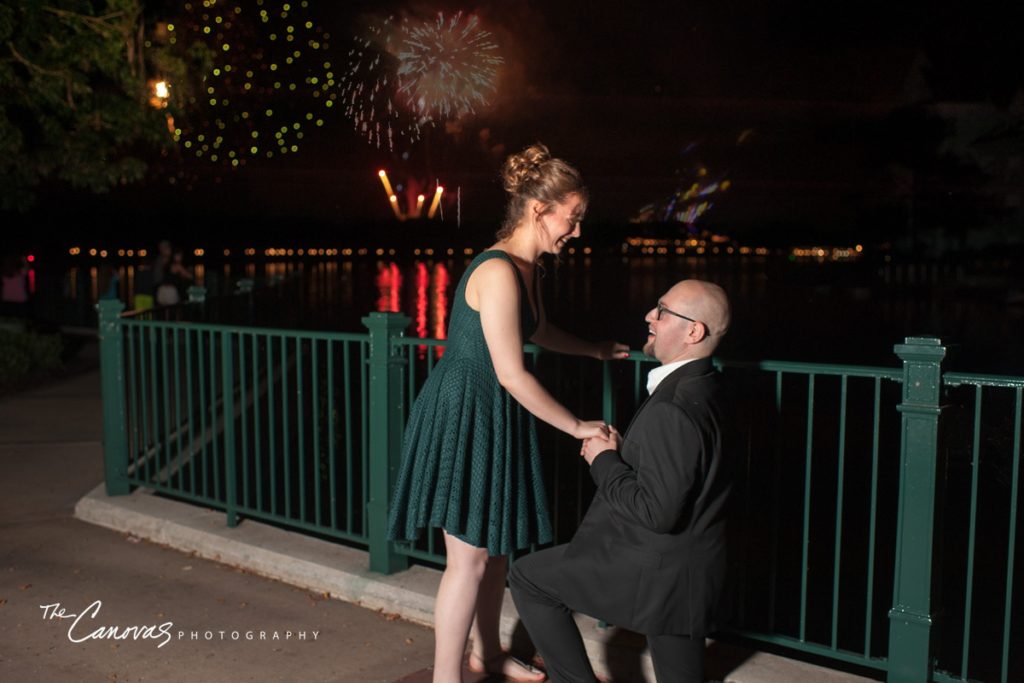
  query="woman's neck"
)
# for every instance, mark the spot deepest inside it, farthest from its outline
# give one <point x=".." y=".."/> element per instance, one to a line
<point x="522" y="245"/>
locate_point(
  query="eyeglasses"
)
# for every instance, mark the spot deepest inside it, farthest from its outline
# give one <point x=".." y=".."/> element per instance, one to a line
<point x="663" y="309"/>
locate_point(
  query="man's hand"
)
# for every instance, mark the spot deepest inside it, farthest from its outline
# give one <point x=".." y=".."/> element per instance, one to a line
<point x="596" y="445"/>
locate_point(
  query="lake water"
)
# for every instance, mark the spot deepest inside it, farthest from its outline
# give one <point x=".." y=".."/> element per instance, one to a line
<point x="849" y="312"/>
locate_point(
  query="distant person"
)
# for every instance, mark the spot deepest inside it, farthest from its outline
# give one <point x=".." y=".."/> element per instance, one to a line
<point x="470" y="459"/>
<point x="15" y="300"/>
<point x="161" y="264"/>
<point x="177" y="278"/>
<point x="180" y="274"/>
<point x="650" y="554"/>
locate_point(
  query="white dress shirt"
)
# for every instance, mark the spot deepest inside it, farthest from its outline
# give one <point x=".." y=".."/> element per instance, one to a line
<point x="655" y="376"/>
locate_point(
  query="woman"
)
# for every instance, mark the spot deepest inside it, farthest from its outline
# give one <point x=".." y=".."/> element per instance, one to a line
<point x="471" y="463"/>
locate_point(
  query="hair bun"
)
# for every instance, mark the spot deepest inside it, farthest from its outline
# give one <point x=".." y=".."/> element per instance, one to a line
<point x="521" y="169"/>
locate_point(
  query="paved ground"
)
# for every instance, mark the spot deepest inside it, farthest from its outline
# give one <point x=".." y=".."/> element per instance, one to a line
<point x="50" y="457"/>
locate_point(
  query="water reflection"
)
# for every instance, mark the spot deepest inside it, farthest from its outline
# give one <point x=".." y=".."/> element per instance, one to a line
<point x="429" y="298"/>
<point x="843" y="312"/>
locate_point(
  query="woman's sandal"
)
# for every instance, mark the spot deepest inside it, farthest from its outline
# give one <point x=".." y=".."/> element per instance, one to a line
<point x="507" y="666"/>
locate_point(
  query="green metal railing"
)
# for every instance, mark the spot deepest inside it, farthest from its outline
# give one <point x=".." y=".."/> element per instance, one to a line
<point x="847" y="471"/>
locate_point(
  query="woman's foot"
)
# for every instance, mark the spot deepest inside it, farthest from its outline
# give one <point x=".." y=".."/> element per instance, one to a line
<point x="504" y="664"/>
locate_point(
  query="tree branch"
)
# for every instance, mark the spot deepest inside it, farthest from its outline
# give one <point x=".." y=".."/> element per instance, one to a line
<point x="100" y="25"/>
<point x="46" y="72"/>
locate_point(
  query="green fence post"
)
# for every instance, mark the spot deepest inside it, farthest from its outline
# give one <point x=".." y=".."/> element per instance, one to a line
<point x="910" y="619"/>
<point x="386" y="411"/>
<point x="112" y="388"/>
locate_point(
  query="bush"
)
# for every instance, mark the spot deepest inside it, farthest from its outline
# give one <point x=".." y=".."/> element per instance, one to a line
<point x="27" y="354"/>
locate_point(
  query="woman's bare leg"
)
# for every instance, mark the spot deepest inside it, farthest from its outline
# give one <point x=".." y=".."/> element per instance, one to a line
<point x="455" y="606"/>
<point x="486" y="652"/>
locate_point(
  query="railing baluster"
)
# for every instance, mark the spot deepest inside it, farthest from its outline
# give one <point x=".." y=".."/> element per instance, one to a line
<point x="876" y="424"/>
<point x="191" y="413"/>
<point x="243" y="402"/>
<point x="153" y="450"/>
<point x="315" y="403"/>
<point x="837" y="556"/>
<point x="257" y="431"/>
<point x="332" y="451"/>
<point x="1011" y="543"/>
<point x="349" y="456"/>
<point x="228" y="407"/>
<point x="776" y="512"/>
<point x="364" y="386"/>
<point x="972" y="532"/>
<point x="286" y="446"/>
<point x="300" y="423"/>
<point x="135" y="442"/>
<point x="271" y="425"/>
<point x="214" y="441"/>
<point x="804" y="568"/>
<point x="179" y="422"/>
<point x="166" y="431"/>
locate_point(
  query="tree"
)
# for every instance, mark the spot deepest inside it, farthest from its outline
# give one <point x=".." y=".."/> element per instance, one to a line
<point x="73" y="97"/>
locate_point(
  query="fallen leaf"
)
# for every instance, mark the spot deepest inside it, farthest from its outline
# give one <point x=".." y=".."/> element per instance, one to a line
<point x="3" y="601"/>
<point x="187" y="568"/>
<point x="408" y="641"/>
<point x="25" y="586"/>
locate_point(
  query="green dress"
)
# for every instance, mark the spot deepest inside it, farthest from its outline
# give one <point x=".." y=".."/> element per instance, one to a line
<point x="470" y="460"/>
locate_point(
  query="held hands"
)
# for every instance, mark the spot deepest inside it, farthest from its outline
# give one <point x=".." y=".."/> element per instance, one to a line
<point x="586" y="429"/>
<point x="596" y="445"/>
<point x="611" y="350"/>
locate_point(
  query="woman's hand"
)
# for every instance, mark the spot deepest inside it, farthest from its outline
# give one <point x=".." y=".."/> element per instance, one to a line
<point x="611" y="350"/>
<point x="597" y="445"/>
<point x="590" y="428"/>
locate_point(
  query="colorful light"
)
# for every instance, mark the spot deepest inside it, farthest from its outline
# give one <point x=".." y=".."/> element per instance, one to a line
<point x="407" y="74"/>
<point x="384" y="179"/>
<point x="436" y="201"/>
<point x="255" y="87"/>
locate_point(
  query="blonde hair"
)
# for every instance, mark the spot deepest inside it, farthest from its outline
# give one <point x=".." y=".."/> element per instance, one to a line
<point x="535" y="174"/>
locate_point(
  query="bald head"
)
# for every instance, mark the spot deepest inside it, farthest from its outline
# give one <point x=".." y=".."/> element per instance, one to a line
<point x="709" y="303"/>
<point x="700" y="321"/>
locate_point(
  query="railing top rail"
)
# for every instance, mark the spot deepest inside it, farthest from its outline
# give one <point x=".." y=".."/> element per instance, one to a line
<point x="956" y="379"/>
<point x="419" y="341"/>
<point x="242" y="329"/>
<point x="894" y="374"/>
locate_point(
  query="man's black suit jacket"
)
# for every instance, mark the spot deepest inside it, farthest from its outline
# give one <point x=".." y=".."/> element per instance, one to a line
<point x="650" y="554"/>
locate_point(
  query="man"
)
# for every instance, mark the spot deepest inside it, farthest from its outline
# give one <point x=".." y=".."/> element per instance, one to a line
<point x="649" y="555"/>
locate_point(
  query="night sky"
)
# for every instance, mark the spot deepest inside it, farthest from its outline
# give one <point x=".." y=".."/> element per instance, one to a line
<point x="635" y="94"/>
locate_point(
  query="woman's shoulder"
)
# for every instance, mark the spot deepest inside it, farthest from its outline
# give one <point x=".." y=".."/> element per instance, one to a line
<point x="493" y="263"/>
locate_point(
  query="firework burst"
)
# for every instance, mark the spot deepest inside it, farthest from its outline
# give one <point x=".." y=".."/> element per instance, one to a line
<point x="447" y="68"/>
<point x="405" y="75"/>
<point x="267" y="84"/>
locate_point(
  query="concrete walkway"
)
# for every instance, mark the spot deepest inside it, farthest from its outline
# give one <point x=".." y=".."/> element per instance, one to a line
<point x="252" y="603"/>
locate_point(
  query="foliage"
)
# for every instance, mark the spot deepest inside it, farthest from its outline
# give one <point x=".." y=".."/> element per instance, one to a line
<point x="74" y="96"/>
<point x="24" y="354"/>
